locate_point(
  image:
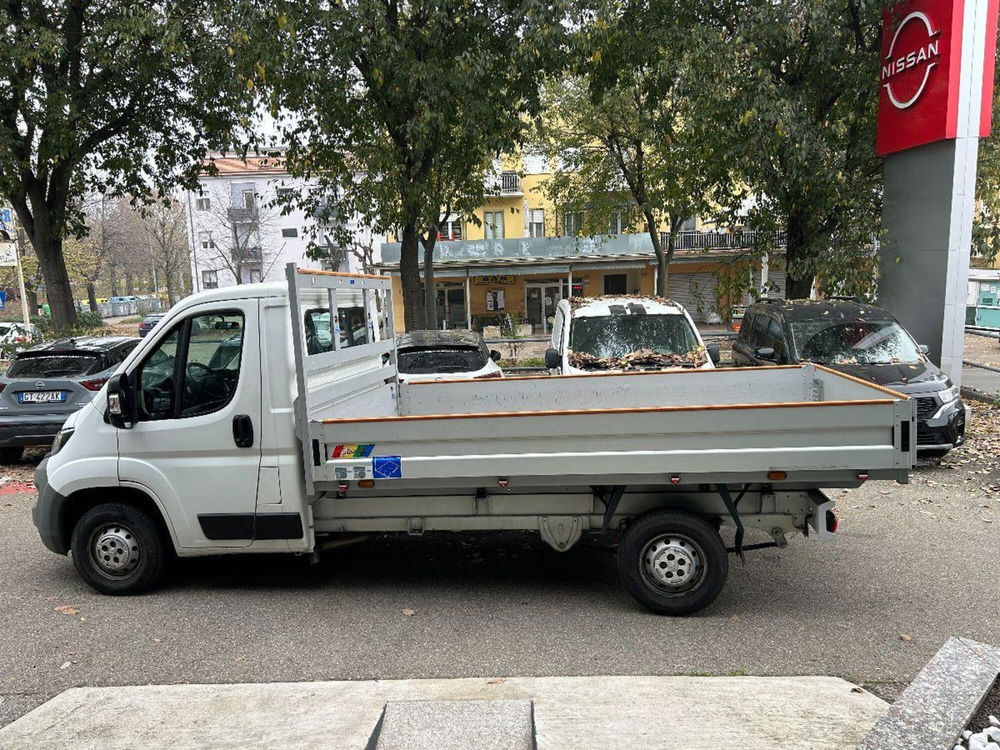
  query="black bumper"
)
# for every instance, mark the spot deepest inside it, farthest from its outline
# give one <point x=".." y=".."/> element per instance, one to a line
<point x="47" y="514"/>
<point x="17" y="434"/>
<point x="945" y="432"/>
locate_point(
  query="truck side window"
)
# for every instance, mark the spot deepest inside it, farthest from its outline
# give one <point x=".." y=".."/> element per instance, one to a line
<point x="194" y="370"/>
<point x="776" y="340"/>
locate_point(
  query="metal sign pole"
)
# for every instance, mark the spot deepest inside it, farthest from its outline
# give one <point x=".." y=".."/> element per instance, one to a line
<point x="20" y="283"/>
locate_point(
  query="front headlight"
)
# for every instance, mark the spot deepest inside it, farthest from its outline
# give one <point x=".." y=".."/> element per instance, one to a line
<point x="62" y="437"/>
<point x="949" y="395"/>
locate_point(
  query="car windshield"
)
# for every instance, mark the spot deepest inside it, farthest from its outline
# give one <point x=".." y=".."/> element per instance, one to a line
<point x="862" y="342"/>
<point x="54" y="366"/>
<point x="618" y="335"/>
<point x="441" y="359"/>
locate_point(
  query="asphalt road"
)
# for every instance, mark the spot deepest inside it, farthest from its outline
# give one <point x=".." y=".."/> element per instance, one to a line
<point x="918" y="560"/>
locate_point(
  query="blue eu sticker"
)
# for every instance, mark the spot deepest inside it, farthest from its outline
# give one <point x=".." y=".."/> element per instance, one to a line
<point x="387" y="467"/>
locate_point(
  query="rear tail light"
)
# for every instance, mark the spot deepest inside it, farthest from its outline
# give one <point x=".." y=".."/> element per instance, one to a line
<point x="20" y="340"/>
<point x="94" y="385"/>
<point x="832" y="522"/>
<point x="490" y="376"/>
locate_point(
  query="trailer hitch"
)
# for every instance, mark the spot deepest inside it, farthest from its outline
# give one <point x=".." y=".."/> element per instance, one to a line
<point x="733" y="507"/>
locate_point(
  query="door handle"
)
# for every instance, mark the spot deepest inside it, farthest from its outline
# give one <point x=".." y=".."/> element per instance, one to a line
<point x="243" y="431"/>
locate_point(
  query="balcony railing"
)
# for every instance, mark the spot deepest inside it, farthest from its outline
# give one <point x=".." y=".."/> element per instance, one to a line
<point x="243" y="215"/>
<point x="724" y="240"/>
<point x="504" y="183"/>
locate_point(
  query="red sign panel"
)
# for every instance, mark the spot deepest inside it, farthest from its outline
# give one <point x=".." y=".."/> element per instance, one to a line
<point x="919" y="73"/>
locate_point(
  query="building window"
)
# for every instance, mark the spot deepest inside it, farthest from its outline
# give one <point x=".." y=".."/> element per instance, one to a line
<point x="249" y="199"/>
<point x="450" y="229"/>
<point x="535" y="162"/>
<point x="210" y="279"/>
<point x="573" y="223"/>
<point x="289" y="232"/>
<point x="536" y="222"/>
<point x="617" y="223"/>
<point x="203" y="204"/>
<point x="255" y="276"/>
<point x="493" y="225"/>
<point x="284" y="192"/>
<point x="689" y="225"/>
<point x="207" y="243"/>
<point x="615" y="283"/>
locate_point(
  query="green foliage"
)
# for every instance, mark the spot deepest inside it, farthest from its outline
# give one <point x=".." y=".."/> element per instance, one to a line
<point x="402" y="106"/>
<point x="86" y="323"/>
<point x="120" y="97"/>
<point x="791" y="87"/>
<point x="986" y="229"/>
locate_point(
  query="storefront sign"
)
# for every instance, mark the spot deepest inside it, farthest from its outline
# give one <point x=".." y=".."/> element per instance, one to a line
<point x="920" y="72"/>
<point x="498" y="280"/>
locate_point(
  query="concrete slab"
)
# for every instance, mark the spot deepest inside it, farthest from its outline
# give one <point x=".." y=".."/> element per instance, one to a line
<point x="570" y="713"/>
<point x="457" y="725"/>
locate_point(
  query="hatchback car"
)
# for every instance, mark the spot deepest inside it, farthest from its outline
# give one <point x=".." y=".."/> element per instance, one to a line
<point x="860" y="340"/>
<point x="149" y="323"/>
<point x="48" y="382"/>
<point x="445" y="355"/>
<point x="18" y="335"/>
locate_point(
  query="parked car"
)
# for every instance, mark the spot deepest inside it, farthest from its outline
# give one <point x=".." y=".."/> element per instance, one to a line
<point x="48" y="382"/>
<point x="860" y="340"/>
<point x="148" y="323"/>
<point x="613" y="333"/>
<point x="445" y="355"/>
<point x="18" y="334"/>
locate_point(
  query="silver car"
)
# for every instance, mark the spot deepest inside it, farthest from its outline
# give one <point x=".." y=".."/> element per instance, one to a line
<point x="48" y="382"/>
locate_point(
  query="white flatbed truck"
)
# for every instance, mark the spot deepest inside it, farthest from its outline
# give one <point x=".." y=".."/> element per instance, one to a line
<point x="222" y="434"/>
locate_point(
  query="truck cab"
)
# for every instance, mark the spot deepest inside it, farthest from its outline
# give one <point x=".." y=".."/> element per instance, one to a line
<point x="616" y="333"/>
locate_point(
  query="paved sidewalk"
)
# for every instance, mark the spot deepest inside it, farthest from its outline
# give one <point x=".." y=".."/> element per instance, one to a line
<point x="570" y="713"/>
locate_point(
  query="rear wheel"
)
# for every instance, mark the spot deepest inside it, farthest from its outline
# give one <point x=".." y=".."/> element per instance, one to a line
<point x="118" y="549"/>
<point x="11" y="455"/>
<point x="671" y="562"/>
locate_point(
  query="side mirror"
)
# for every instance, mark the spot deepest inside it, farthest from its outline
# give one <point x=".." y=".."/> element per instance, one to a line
<point x="713" y="353"/>
<point x="923" y="348"/>
<point x="764" y="352"/>
<point x="552" y="359"/>
<point x="494" y="355"/>
<point x="121" y="404"/>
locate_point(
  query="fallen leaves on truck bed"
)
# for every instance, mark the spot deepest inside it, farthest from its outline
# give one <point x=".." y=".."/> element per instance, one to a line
<point x="644" y="359"/>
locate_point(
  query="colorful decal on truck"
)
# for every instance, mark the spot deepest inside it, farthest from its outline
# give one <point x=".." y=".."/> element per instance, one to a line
<point x="387" y="467"/>
<point x="352" y="451"/>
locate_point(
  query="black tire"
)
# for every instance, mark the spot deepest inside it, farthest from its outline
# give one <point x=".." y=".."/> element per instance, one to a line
<point x="133" y="551"/>
<point x="11" y="455"/>
<point x="659" y="549"/>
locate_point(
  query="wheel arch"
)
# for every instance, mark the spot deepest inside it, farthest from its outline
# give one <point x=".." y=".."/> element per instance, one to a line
<point x="81" y="501"/>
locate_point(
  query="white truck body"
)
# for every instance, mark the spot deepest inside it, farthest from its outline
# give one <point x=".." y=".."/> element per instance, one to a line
<point x="338" y="444"/>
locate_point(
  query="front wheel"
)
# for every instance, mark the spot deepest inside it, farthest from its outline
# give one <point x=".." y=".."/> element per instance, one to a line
<point x="117" y="549"/>
<point x="671" y="562"/>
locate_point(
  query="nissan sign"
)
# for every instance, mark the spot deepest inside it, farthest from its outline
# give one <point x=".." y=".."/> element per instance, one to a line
<point x="920" y="73"/>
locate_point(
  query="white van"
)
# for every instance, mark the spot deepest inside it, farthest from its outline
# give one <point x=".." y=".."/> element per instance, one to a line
<point x="271" y="418"/>
<point x="615" y="333"/>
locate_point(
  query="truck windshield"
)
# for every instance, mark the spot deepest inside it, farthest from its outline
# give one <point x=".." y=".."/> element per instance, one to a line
<point x="618" y="335"/>
<point x="860" y="342"/>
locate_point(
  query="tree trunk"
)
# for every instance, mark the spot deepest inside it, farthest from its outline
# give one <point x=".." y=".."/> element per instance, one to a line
<point x="92" y="296"/>
<point x="799" y="280"/>
<point x="129" y="283"/>
<point x="32" y="296"/>
<point x="57" y="287"/>
<point x="414" y="318"/>
<point x="663" y="255"/>
<point x="171" y="292"/>
<point x="113" y="272"/>
<point x="430" y="292"/>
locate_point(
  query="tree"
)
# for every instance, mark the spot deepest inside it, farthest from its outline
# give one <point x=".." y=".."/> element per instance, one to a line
<point x="235" y="235"/>
<point x="792" y="89"/>
<point x="117" y="97"/>
<point x="622" y="129"/>
<point x="986" y="229"/>
<point x="165" y="225"/>
<point x="402" y="106"/>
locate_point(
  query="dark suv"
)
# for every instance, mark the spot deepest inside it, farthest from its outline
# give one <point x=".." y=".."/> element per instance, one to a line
<point x="48" y="382"/>
<point x="860" y="340"/>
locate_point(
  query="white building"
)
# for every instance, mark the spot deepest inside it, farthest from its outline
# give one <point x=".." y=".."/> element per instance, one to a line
<point x="240" y="226"/>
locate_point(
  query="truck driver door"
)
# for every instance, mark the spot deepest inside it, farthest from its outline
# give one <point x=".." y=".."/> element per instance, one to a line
<point x="195" y="444"/>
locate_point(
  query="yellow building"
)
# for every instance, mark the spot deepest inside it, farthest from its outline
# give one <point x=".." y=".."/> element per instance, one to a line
<point x="517" y="255"/>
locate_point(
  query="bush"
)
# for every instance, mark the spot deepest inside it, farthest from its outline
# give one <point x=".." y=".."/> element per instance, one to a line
<point x="86" y="322"/>
<point x="89" y="319"/>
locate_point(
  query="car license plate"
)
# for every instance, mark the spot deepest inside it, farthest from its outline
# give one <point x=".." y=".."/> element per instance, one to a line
<point x="41" y="397"/>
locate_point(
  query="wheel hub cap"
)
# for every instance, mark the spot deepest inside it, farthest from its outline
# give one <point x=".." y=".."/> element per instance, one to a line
<point x="115" y="550"/>
<point x="672" y="562"/>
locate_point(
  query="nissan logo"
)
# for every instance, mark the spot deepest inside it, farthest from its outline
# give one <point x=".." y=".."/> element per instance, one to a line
<point x="918" y="51"/>
<point x="40" y="384"/>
